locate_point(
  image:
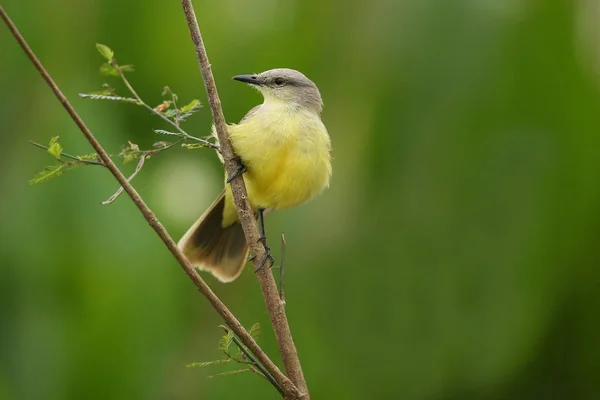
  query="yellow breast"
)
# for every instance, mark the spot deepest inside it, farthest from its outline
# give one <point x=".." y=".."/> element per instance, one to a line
<point x="287" y="156"/>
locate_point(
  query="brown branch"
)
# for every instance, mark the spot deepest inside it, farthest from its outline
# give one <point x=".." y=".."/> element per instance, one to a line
<point x="288" y="387"/>
<point x="265" y="277"/>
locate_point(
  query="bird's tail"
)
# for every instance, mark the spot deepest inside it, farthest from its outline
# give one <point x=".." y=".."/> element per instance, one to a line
<point x="211" y="247"/>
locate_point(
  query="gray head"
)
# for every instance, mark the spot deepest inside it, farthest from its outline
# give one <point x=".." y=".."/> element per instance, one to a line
<point x="287" y="86"/>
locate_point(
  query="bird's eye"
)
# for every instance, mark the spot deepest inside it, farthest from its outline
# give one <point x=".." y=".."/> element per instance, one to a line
<point x="279" y="81"/>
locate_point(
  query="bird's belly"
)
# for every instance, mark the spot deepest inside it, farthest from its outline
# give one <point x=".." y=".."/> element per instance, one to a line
<point x="291" y="175"/>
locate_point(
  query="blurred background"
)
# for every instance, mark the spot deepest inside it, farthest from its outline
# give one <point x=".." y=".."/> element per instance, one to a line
<point x="455" y="255"/>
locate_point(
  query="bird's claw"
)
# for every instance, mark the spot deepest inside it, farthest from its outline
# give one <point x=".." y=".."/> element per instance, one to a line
<point x="267" y="255"/>
<point x="241" y="169"/>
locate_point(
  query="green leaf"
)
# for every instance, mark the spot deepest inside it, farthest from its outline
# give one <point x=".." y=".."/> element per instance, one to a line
<point x="163" y="132"/>
<point x="190" y="109"/>
<point x="208" y="363"/>
<point x="97" y="96"/>
<point x="126" y="68"/>
<point x="225" y="342"/>
<point x="194" y="104"/>
<point x="106" y="91"/>
<point x="130" y="152"/>
<point x="54" y="148"/>
<point x="227" y="373"/>
<point x="170" y="113"/>
<point x="105" y="51"/>
<point x="108" y="70"/>
<point x="193" y="146"/>
<point x="88" y="157"/>
<point x="51" y="171"/>
<point x="255" y="331"/>
<point x="161" y="145"/>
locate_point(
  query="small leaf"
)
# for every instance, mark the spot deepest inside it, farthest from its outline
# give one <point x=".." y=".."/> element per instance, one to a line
<point x="255" y="331"/>
<point x="133" y="146"/>
<point x="106" y="91"/>
<point x="190" y="109"/>
<point x="107" y="87"/>
<point x="166" y="91"/>
<point x="88" y="157"/>
<point x="108" y="70"/>
<point x="170" y="113"/>
<point x="130" y="152"/>
<point x="105" y="51"/>
<point x="96" y="96"/>
<point x="193" y="146"/>
<point x="51" y="171"/>
<point x="225" y="342"/>
<point x="208" y="363"/>
<point x="126" y="68"/>
<point x="161" y="145"/>
<point x="227" y="373"/>
<point x="192" y="105"/>
<point x="54" y="148"/>
<point x="163" y="132"/>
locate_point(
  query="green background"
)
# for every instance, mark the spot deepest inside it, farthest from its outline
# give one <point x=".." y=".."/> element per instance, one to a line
<point x="455" y="255"/>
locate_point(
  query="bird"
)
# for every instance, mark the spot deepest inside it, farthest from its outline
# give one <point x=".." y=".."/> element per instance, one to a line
<point x="285" y="151"/>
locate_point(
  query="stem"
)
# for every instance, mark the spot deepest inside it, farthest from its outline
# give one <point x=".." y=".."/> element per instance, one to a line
<point x="275" y="306"/>
<point x="65" y="155"/>
<point x="138" y="167"/>
<point x="254" y="361"/>
<point x="149" y="216"/>
<point x="153" y="111"/>
<point x="281" y="265"/>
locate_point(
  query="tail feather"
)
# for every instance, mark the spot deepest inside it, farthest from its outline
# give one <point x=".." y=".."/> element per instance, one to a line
<point x="211" y="247"/>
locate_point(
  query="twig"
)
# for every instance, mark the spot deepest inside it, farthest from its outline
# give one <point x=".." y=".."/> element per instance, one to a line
<point x="153" y="111"/>
<point x="149" y="216"/>
<point x="253" y="361"/>
<point x="276" y="309"/>
<point x="65" y="155"/>
<point x="145" y="155"/>
<point x="138" y="167"/>
<point x="281" y="264"/>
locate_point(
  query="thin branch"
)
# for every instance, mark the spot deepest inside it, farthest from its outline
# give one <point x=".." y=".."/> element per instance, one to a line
<point x="149" y="216"/>
<point x="153" y="111"/>
<point x="281" y="265"/>
<point x="138" y="167"/>
<point x="65" y="155"/>
<point x="276" y="309"/>
<point x="253" y="361"/>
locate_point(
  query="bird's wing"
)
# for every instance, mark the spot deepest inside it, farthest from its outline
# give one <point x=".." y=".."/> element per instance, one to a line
<point x="248" y="115"/>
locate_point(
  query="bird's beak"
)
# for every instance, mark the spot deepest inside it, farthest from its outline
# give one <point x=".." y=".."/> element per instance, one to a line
<point x="251" y="79"/>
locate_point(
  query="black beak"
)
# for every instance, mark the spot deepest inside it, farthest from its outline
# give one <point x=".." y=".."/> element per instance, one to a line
<point x="252" y="79"/>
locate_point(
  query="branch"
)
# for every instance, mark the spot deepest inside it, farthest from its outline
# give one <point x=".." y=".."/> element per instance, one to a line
<point x="141" y="102"/>
<point x="72" y="157"/>
<point x="231" y="321"/>
<point x="275" y="306"/>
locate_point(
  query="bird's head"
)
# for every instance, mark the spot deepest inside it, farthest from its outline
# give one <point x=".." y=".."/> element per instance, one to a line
<point x="285" y="86"/>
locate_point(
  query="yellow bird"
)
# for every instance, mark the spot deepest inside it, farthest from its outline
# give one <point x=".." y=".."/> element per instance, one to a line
<point x="285" y="149"/>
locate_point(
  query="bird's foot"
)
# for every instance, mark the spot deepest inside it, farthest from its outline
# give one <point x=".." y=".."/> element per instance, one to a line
<point x="267" y="255"/>
<point x="239" y="171"/>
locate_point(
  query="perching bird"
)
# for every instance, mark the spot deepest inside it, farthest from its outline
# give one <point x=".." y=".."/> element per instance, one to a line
<point x="285" y="149"/>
